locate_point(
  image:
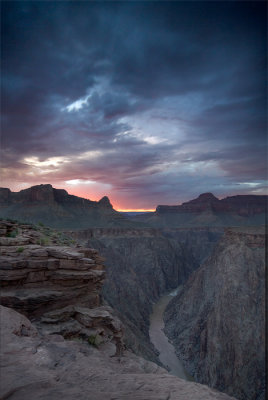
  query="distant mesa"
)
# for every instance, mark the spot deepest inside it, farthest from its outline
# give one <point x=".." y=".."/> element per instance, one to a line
<point x="207" y="210"/>
<point x="46" y="193"/>
<point x="244" y="205"/>
<point x="58" y="209"/>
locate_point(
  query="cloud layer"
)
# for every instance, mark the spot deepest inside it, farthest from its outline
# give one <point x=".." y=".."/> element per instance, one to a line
<point x="147" y="102"/>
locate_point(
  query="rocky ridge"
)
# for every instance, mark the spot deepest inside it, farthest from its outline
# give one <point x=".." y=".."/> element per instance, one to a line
<point x="243" y="205"/>
<point x="58" y="289"/>
<point x="217" y="321"/>
<point x="57" y="209"/>
<point x="208" y="210"/>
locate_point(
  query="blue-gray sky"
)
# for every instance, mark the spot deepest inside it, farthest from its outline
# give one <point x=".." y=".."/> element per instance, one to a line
<point x="146" y="102"/>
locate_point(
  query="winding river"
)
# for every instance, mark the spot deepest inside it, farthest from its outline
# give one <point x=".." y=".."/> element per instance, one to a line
<point x="167" y="354"/>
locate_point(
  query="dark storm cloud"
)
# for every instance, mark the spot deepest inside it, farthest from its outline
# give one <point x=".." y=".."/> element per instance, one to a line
<point x="197" y="65"/>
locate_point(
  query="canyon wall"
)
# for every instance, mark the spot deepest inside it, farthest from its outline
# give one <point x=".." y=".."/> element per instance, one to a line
<point x="217" y="321"/>
<point x="198" y="241"/>
<point x="142" y="265"/>
<point x="70" y="346"/>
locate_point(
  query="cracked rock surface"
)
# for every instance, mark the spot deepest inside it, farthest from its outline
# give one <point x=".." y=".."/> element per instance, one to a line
<point x="45" y="367"/>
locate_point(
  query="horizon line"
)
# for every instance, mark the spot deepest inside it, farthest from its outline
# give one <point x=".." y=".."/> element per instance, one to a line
<point x="136" y="210"/>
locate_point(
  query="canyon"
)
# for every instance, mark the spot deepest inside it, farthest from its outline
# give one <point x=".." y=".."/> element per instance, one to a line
<point x="58" y="339"/>
<point x="145" y="257"/>
<point x="141" y="266"/>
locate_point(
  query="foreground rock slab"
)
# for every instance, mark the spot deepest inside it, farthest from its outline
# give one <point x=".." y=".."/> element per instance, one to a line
<point x="45" y="367"/>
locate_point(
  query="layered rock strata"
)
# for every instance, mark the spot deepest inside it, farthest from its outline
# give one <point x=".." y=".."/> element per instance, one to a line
<point x="217" y="322"/>
<point x="57" y="286"/>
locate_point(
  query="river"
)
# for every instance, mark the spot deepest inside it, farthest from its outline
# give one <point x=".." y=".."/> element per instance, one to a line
<point x="167" y="354"/>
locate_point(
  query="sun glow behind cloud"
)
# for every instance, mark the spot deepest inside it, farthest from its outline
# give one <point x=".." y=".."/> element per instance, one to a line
<point x="47" y="166"/>
<point x="49" y="162"/>
<point x="79" y="182"/>
<point x="104" y="122"/>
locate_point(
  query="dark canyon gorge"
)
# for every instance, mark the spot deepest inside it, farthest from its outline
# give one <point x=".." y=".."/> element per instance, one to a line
<point x="217" y="320"/>
<point x="57" y="279"/>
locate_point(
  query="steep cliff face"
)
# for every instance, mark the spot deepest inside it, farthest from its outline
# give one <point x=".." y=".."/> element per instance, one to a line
<point x="58" y="288"/>
<point x="142" y="265"/>
<point x="217" y="322"/>
<point x="58" y="209"/>
<point x="199" y="242"/>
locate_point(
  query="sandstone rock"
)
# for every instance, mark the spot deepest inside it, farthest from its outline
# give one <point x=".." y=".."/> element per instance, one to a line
<point x="39" y="252"/>
<point x="63" y="252"/>
<point x="16" y="241"/>
<point x="47" y="367"/>
<point x="13" y="323"/>
<point x="42" y="279"/>
<point x="88" y="260"/>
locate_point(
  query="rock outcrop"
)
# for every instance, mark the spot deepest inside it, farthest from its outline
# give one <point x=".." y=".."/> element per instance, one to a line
<point x="57" y="209"/>
<point x="36" y="366"/>
<point x="217" y="322"/>
<point x="57" y="286"/>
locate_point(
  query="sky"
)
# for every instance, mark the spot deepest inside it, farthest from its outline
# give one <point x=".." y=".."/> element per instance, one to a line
<point x="146" y="102"/>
